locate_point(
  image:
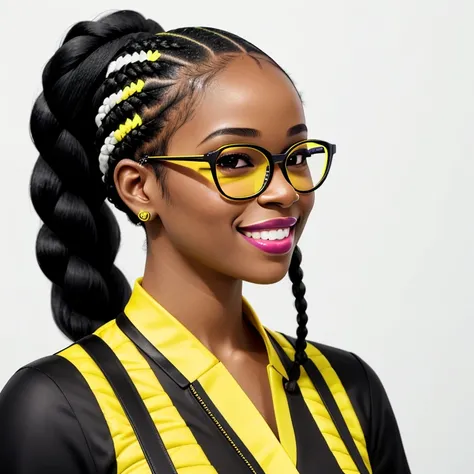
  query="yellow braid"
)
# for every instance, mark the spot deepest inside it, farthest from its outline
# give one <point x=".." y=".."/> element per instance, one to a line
<point x="133" y="88"/>
<point x="127" y="127"/>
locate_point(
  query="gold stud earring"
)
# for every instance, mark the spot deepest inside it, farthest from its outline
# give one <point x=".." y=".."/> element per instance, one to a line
<point x="144" y="216"/>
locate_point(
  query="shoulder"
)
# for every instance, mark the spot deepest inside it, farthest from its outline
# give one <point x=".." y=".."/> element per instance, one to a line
<point x="39" y="391"/>
<point x="43" y="383"/>
<point x="359" y="379"/>
<point x="369" y="401"/>
<point x="356" y="375"/>
<point x="48" y="396"/>
<point x="36" y="387"/>
<point x="342" y="367"/>
<point x="341" y="360"/>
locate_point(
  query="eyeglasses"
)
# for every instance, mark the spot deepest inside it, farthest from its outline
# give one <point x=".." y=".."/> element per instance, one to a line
<point x="245" y="171"/>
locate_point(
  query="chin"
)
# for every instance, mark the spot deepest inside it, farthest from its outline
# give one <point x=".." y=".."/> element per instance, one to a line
<point x="266" y="273"/>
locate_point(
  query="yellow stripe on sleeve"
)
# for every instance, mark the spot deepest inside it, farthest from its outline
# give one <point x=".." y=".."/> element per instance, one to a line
<point x="183" y="449"/>
<point x="128" y="452"/>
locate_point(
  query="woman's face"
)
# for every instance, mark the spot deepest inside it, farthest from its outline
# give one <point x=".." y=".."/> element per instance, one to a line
<point x="201" y="224"/>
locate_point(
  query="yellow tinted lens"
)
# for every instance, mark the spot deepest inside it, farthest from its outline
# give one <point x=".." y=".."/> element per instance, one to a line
<point x="201" y="167"/>
<point x="306" y="165"/>
<point x="241" y="171"/>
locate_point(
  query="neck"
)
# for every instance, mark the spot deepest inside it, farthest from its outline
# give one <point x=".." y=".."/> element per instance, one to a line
<point x="207" y="303"/>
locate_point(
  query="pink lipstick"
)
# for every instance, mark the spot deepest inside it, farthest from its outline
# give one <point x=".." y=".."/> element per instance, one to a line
<point x="275" y="236"/>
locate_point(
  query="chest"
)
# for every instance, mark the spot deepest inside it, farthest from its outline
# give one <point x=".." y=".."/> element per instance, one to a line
<point x="226" y="420"/>
<point x="251" y="375"/>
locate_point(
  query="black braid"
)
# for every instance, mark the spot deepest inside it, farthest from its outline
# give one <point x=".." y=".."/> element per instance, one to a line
<point x="296" y="276"/>
<point x="80" y="237"/>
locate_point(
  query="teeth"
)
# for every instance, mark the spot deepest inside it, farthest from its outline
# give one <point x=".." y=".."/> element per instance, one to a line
<point x="274" y="234"/>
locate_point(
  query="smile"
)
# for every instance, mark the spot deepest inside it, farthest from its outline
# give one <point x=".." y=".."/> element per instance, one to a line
<point x="275" y="236"/>
<point x="269" y="234"/>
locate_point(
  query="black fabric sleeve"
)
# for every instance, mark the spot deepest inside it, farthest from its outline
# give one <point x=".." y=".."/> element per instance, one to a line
<point x="39" y="432"/>
<point x="385" y="445"/>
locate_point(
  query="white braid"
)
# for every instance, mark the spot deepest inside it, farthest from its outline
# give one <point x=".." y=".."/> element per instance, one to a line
<point x="110" y="102"/>
<point x="114" y="99"/>
<point x="122" y="61"/>
<point x="106" y="151"/>
<point x="115" y="137"/>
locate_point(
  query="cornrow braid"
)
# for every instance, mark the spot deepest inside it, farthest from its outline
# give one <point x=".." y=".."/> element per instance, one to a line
<point x="225" y="37"/>
<point x="130" y="73"/>
<point x="296" y="276"/>
<point x="200" y="52"/>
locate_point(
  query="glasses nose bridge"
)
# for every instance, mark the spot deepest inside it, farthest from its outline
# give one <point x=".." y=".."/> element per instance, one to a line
<point x="279" y="158"/>
<point x="279" y="161"/>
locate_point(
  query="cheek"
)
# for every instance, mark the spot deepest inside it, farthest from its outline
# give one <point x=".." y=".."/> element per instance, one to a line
<point x="307" y="201"/>
<point x="305" y="205"/>
<point x="197" y="216"/>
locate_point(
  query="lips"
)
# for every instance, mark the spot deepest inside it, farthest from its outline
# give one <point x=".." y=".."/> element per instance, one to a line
<point x="274" y="236"/>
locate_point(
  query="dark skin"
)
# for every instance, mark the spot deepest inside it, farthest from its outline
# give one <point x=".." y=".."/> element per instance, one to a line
<point x="194" y="246"/>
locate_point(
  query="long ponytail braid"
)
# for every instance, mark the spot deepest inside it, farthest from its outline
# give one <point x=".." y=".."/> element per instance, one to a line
<point x="296" y="276"/>
<point x="75" y="124"/>
<point x="79" y="239"/>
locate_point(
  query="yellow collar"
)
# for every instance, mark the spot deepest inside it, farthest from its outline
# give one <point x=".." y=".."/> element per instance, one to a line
<point x="176" y="342"/>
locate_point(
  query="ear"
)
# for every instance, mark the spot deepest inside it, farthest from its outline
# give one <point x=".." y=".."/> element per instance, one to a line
<point x="138" y="187"/>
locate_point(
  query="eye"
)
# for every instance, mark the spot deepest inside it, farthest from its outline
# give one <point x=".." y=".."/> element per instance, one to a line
<point x="298" y="157"/>
<point x="235" y="161"/>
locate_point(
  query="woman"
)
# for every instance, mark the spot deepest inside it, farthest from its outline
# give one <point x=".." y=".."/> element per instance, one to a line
<point x="200" y="137"/>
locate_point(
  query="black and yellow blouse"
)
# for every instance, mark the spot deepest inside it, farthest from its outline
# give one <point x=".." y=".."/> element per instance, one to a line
<point x="142" y="395"/>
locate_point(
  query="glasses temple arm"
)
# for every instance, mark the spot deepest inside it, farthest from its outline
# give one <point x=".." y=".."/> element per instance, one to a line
<point x="144" y="159"/>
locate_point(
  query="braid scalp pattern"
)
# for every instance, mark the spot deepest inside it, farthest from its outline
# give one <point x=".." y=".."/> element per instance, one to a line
<point x="140" y="84"/>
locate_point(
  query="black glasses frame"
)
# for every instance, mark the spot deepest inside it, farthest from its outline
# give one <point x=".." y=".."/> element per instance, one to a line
<point x="278" y="159"/>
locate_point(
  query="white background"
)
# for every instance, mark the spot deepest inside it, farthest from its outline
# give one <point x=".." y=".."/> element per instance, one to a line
<point x="389" y="250"/>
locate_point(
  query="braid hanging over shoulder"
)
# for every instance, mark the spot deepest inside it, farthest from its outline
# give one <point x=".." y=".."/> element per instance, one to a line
<point x="296" y="276"/>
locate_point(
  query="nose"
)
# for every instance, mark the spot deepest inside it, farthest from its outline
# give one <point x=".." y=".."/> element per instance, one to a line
<point x="279" y="192"/>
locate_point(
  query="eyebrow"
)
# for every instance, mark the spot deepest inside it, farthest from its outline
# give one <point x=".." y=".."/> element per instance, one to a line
<point x="301" y="127"/>
<point x="252" y="132"/>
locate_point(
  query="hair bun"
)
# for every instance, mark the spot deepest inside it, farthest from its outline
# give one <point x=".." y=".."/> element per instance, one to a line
<point x="114" y="25"/>
<point x="83" y="58"/>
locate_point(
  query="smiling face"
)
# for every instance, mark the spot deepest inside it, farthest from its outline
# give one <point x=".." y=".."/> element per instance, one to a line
<point x="248" y="102"/>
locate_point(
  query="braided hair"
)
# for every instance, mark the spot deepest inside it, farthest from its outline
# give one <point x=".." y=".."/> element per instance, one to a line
<point x="296" y="276"/>
<point x="140" y="84"/>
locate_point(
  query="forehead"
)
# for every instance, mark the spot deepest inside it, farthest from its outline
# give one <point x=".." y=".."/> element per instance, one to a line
<point x="247" y="94"/>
